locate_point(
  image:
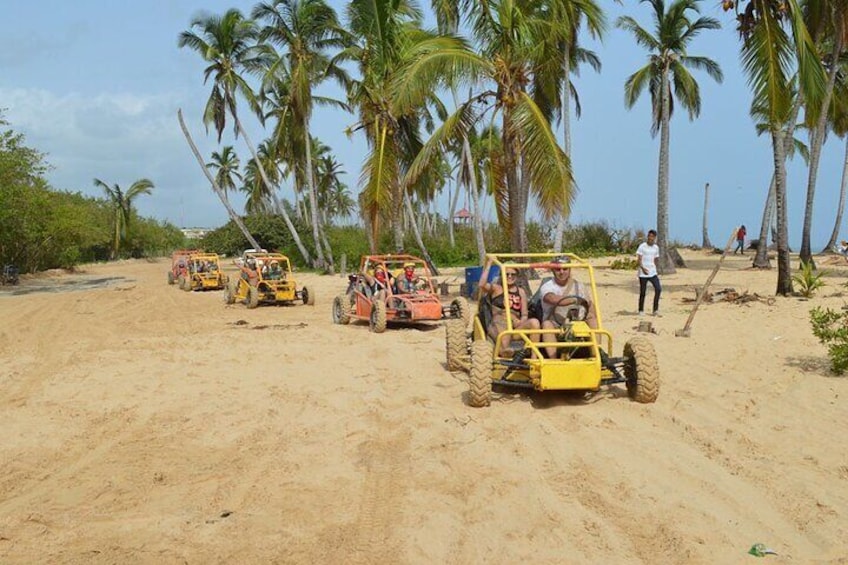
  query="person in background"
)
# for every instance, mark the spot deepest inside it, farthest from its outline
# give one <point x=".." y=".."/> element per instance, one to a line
<point x="740" y="240"/>
<point x="647" y="255"/>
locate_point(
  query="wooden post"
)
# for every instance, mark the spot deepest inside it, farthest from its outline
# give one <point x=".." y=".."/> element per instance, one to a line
<point x="686" y="332"/>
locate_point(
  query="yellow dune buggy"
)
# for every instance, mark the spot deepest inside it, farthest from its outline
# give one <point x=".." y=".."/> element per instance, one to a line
<point x="203" y="272"/>
<point x="569" y="352"/>
<point x="266" y="278"/>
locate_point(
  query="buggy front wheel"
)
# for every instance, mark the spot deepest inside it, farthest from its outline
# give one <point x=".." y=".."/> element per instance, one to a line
<point x="480" y="375"/>
<point x="456" y="345"/>
<point x="252" y="297"/>
<point x="377" y="321"/>
<point x="341" y="310"/>
<point x="641" y="370"/>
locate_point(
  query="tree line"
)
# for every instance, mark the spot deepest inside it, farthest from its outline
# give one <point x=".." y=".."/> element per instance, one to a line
<point x="44" y="228"/>
<point x="509" y="67"/>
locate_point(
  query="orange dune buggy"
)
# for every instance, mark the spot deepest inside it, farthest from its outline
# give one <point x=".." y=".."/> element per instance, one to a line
<point x="179" y="264"/>
<point x="406" y="295"/>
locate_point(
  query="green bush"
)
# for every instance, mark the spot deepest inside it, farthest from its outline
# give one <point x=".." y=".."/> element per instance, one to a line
<point x="831" y="329"/>
<point x="808" y="281"/>
<point x="624" y="264"/>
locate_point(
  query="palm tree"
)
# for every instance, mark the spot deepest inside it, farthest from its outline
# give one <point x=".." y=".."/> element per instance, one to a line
<point x="386" y="40"/>
<point x="227" y="43"/>
<point x="511" y="35"/>
<point x="668" y="66"/>
<point x="570" y="15"/>
<point x="122" y="207"/>
<point x="306" y="29"/>
<point x="768" y="54"/>
<point x="259" y="194"/>
<point x="825" y="17"/>
<point x="839" y="125"/>
<point x="226" y="166"/>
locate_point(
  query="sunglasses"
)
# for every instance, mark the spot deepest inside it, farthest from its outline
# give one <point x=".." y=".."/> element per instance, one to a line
<point x="511" y="275"/>
<point x="562" y="269"/>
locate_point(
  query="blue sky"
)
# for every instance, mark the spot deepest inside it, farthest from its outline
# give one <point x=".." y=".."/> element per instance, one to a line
<point x="96" y="85"/>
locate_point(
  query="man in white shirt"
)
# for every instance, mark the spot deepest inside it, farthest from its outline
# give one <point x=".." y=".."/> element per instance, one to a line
<point x="647" y="255"/>
<point x="564" y="291"/>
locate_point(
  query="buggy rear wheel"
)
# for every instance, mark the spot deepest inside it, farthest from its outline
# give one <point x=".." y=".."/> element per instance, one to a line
<point x="308" y="297"/>
<point x="456" y="344"/>
<point x="459" y="309"/>
<point x="641" y="370"/>
<point x="252" y="297"/>
<point x="480" y="375"/>
<point x="341" y="309"/>
<point x="170" y="277"/>
<point x="377" y="320"/>
<point x="182" y="283"/>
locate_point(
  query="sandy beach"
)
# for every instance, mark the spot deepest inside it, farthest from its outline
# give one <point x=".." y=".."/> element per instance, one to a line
<point x="144" y="424"/>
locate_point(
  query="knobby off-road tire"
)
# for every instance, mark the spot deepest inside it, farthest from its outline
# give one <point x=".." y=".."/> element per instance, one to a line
<point x="480" y="375"/>
<point x="378" y="317"/>
<point x="170" y="277"/>
<point x="184" y="284"/>
<point x="456" y="345"/>
<point x="461" y="309"/>
<point x="252" y="297"/>
<point x="308" y="297"/>
<point x="341" y="309"/>
<point x="641" y="370"/>
<point x="230" y="292"/>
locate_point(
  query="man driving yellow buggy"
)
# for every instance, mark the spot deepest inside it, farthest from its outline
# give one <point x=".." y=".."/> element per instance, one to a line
<point x="576" y="348"/>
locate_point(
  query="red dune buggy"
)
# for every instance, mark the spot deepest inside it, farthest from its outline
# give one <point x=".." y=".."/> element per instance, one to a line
<point x="394" y="289"/>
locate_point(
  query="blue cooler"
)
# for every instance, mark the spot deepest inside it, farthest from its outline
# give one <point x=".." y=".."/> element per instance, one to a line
<point x="472" y="278"/>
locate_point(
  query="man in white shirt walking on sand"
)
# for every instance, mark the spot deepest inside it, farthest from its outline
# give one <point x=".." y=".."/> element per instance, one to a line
<point x="647" y="255"/>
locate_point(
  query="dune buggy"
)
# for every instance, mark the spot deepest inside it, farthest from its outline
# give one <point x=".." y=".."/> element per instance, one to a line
<point x="266" y="278"/>
<point x="408" y="296"/>
<point x="179" y="264"/>
<point x="203" y="272"/>
<point x="10" y="275"/>
<point x="574" y="356"/>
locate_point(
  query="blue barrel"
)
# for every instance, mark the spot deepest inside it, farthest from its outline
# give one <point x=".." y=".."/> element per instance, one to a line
<point x="472" y="278"/>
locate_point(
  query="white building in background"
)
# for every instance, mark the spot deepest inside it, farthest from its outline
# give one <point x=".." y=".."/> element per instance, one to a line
<point x="195" y="233"/>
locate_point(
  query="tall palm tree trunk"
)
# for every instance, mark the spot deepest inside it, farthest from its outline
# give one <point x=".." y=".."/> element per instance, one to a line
<point x="517" y="221"/>
<point x="666" y="264"/>
<point x="705" y="232"/>
<point x="280" y="209"/>
<point x="475" y="200"/>
<point x="451" y="213"/>
<point x="566" y="140"/>
<point x="417" y="233"/>
<point x="817" y="142"/>
<point x="313" y="199"/>
<point x="784" y="271"/>
<point x="232" y="213"/>
<point x="761" y="260"/>
<point x="841" y="208"/>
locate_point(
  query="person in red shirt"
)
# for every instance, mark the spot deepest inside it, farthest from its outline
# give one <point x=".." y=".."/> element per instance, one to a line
<point x="740" y="240"/>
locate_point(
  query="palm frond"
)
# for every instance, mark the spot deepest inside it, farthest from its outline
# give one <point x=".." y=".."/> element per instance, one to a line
<point x="548" y="166"/>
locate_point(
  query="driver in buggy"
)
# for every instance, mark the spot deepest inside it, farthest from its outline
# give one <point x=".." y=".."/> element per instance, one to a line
<point x="409" y="282"/>
<point x="564" y="299"/>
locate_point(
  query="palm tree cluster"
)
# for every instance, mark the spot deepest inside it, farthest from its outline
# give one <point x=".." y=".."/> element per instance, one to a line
<point x="476" y="101"/>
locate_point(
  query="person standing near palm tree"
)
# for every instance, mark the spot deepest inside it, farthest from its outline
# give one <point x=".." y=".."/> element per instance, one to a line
<point x="667" y="71"/>
<point x="647" y="254"/>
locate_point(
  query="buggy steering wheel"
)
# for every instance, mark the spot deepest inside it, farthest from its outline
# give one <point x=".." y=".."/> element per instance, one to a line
<point x="578" y="310"/>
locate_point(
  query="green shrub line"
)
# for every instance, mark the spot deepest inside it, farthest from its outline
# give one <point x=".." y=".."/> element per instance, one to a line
<point x="596" y="239"/>
<point x="43" y="228"/>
